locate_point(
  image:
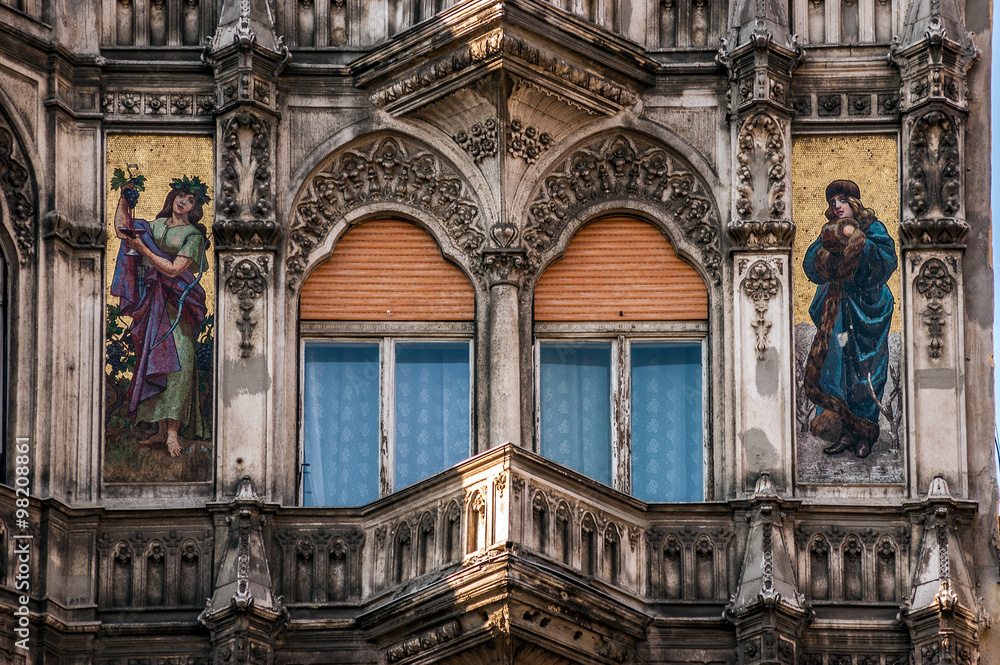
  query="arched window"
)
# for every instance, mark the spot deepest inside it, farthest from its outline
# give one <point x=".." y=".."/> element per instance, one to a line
<point x="621" y="326"/>
<point x="386" y="328"/>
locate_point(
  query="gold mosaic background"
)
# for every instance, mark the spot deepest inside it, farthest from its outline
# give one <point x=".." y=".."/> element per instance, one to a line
<point x="869" y="160"/>
<point x="161" y="158"/>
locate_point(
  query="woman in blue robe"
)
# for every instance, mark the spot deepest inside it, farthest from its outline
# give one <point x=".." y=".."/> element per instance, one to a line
<point x="848" y="363"/>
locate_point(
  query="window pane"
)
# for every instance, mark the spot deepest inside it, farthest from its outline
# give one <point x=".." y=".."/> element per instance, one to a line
<point x="667" y="432"/>
<point x="341" y="424"/>
<point x="575" y="386"/>
<point x="432" y="408"/>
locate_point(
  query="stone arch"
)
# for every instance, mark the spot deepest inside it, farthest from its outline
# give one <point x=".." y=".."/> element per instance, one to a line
<point x="625" y="172"/>
<point x="19" y="202"/>
<point x="379" y="175"/>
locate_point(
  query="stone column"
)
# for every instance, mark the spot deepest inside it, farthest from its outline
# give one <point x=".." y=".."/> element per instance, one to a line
<point x="247" y="56"/>
<point x="762" y="232"/>
<point x="934" y="58"/>
<point x="502" y="267"/>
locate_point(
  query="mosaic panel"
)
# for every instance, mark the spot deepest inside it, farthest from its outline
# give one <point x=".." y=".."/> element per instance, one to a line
<point x="849" y="400"/>
<point x="160" y="312"/>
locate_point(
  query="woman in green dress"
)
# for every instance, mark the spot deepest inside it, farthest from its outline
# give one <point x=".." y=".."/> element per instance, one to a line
<point x="158" y="284"/>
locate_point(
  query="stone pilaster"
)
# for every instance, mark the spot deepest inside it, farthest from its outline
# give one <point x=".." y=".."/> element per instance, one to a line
<point x="246" y="55"/>
<point x="943" y="614"/>
<point x="243" y="615"/>
<point x="933" y="57"/>
<point x="768" y="611"/>
<point x="504" y="266"/>
<point x="760" y="57"/>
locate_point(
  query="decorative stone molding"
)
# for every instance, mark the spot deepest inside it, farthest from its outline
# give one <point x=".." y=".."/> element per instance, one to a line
<point x="424" y="642"/>
<point x="383" y="170"/>
<point x="753" y="235"/>
<point x="247" y="170"/>
<point x="609" y="95"/>
<point x="246" y="280"/>
<point x="527" y="142"/>
<point x="246" y="234"/>
<point x="934" y="283"/>
<point x="760" y="285"/>
<point x="934" y="186"/>
<point x="480" y="140"/>
<point x="629" y="168"/>
<point x="503" y="266"/>
<point x="19" y="191"/>
<point x="761" y="168"/>
<point x="156" y="105"/>
<point x="81" y="236"/>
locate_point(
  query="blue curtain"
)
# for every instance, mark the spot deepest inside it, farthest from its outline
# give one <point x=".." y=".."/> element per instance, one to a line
<point x="667" y="428"/>
<point x="432" y="408"/>
<point x="575" y="387"/>
<point x="341" y="423"/>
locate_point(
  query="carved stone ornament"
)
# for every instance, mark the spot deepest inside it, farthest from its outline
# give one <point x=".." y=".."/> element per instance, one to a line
<point x="608" y="95"/>
<point x="503" y="266"/>
<point x="82" y="236"/>
<point x="246" y="173"/>
<point x="761" y="170"/>
<point x="384" y="170"/>
<point x="934" y="183"/>
<point x="526" y="142"/>
<point x="424" y="642"/>
<point x="246" y="281"/>
<point x="480" y="140"/>
<point x="760" y="285"/>
<point x="934" y="283"/>
<point x="18" y="191"/>
<point x="246" y="234"/>
<point x="629" y="168"/>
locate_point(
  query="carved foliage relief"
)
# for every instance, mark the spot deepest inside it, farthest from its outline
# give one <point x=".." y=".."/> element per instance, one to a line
<point x="160" y="328"/>
<point x="849" y="392"/>
<point x="761" y="171"/>
<point x="933" y="187"/>
<point x="935" y="284"/>
<point x="246" y="172"/>
<point x="385" y="170"/>
<point x="630" y="168"/>
<point x="18" y="191"/>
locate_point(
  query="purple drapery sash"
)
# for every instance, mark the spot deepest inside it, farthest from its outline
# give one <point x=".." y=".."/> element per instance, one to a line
<point x="150" y="318"/>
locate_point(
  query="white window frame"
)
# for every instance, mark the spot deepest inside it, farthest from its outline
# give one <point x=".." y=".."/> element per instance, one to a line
<point x="387" y="335"/>
<point x="622" y="335"/>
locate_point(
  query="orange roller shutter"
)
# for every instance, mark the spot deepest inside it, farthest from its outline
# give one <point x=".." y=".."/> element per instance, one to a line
<point x="620" y="269"/>
<point x="387" y="265"/>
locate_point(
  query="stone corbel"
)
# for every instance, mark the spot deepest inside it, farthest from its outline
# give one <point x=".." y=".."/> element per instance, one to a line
<point x="75" y="234"/>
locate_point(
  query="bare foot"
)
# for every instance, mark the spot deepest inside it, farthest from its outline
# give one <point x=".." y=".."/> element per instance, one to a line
<point x="159" y="437"/>
<point x="173" y="445"/>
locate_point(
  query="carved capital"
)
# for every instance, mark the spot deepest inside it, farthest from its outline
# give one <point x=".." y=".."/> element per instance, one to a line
<point x="756" y="235"/>
<point x="246" y="234"/>
<point x="386" y="170"/>
<point x="246" y="280"/>
<point x="624" y="168"/>
<point x="79" y="235"/>
<point x="504" y="266"/>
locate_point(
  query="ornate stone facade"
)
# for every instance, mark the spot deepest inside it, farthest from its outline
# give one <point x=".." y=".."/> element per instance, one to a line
<point x="501" y="128"/>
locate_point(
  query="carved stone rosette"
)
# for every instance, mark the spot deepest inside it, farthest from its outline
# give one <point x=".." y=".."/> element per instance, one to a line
<point x="389" y="170"/>
<point x="247" y="281"/>
<point x="624" y="168"/>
